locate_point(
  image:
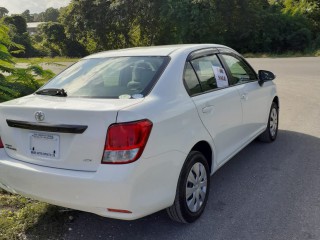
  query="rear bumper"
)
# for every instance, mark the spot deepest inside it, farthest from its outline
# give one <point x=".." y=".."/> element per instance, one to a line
<point x="143" y="187"/>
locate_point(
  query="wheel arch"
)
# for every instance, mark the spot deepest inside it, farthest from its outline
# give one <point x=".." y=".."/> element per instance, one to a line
<point x="276" y="100"/>
<point x="205" y="148"/>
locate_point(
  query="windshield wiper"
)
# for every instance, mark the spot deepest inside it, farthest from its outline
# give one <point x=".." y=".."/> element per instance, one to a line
<point x="53" y="92"/>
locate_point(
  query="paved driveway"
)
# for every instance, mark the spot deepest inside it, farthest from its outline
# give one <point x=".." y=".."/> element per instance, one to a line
<point x="267" y="191"/>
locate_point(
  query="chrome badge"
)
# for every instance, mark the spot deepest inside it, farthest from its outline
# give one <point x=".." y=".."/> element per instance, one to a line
<point x="39" y="116"/>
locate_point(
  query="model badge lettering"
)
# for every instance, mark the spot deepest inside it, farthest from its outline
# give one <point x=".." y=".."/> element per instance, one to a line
<point x="8" y="146"/>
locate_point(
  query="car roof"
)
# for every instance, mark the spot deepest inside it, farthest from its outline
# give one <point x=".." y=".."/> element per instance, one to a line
<point x="165" y="50"/>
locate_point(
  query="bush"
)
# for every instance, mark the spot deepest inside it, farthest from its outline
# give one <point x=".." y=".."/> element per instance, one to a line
<point x="74" y="49"/>
<point x="316" y="44"/>
<point x="300" y="40"/>
<point x="17" y="82"/>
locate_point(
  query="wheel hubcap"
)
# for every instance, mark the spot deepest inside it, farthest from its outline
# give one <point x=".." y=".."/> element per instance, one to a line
<point x="273" y="122"/>
<point x="196" y="187"/>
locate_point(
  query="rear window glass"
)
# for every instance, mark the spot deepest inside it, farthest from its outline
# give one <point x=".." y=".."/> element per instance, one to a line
<point x="120" y="77"/>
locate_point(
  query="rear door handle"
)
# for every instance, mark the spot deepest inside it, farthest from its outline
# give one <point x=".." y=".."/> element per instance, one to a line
<point x="207" y="109"/>
<point x="244" y="96"/>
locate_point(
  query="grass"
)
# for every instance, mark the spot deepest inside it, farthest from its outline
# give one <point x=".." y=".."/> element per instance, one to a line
<point x="283" y="55"/>
<point x="44" y="60"/>
<point x="23" y="218"/>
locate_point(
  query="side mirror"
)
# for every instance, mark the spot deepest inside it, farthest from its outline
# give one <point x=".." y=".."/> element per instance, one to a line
<point x="265" y="76"/>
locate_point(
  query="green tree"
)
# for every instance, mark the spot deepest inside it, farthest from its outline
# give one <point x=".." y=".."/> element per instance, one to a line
<point x="51" y="38"/>
<point x="18" y="33"/>
<point x="3" y="12"/>
<point x="188" y="21"/>
<point x="313" y="14"/>
<point x="103" y="25"/>
<point x="18" y="22"/>
<point x="308" y="11"/>
<point x="51" y="15"/>
<point x="6" y="62"/>
<point x="27" y="16"/>
<point x="298" y="7"/>
<point x="148" y="22"/>
<point x="37" y="17"/>
<point x="18" y="81"/>
<point x="54" y="32"/>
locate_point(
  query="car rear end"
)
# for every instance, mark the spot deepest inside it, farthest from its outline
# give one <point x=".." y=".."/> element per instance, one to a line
<point x="63" y="145"/>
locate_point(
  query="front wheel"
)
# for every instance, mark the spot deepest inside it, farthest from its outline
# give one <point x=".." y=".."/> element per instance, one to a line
<point x="270" y="134"/>
<point x="192" y="190"/>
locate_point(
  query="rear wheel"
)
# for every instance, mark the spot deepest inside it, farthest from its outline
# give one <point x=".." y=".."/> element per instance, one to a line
<point x="270" y="134"/>
<point x="192" y="190"/>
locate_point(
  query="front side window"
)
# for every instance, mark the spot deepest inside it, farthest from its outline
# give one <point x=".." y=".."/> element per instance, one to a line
<point x="119" y="77"/>
<point x="240" y="71"/>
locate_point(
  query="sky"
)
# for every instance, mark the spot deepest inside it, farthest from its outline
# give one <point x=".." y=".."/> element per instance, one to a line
<point x="35" y="6"/>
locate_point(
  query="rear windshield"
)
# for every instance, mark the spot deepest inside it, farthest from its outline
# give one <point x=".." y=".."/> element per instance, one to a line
<point x="120" y="77"/>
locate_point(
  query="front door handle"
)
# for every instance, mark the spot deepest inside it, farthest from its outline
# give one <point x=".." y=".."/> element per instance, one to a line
<point x="207" y="109"/>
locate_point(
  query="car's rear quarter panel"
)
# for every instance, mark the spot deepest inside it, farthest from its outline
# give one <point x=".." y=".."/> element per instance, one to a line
<point x="176" y="129"/>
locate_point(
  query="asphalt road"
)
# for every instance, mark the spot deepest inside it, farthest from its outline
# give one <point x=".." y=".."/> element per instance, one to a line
<point x="267" y="191"/>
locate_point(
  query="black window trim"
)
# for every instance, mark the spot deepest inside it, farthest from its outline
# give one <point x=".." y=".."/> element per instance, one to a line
<point x="218" y="52"/>
<point x="184" y="81"/>
<point x="199" y="53"/>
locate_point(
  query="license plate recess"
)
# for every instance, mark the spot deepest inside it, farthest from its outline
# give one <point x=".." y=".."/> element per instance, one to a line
<point x="43" y="145"/>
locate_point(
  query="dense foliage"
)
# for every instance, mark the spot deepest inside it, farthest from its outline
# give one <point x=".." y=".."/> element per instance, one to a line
<point x="16" y="82"/>
<point x="18" y="34"/>
<point x="246" y="25"/>
<point x="50" y="15"/>
<point x="85" y="26"/>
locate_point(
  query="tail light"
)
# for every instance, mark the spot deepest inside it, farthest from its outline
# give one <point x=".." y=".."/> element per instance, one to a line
<point x="126" y="141"/>
<point x="1" y="143"/>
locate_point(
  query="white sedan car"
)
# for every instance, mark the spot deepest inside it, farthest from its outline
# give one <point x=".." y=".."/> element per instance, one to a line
<point x="127" y="133"/>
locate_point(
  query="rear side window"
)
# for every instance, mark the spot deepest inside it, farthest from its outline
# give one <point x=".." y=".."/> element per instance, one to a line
<point x="119" y="77"/>
<point x="191" y="80"/>
<point x="205" y="69"/>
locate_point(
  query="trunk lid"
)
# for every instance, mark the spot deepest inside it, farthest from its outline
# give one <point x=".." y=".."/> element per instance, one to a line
<point x="71" y="135"/>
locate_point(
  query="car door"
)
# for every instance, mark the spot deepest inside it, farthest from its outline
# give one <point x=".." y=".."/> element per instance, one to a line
<point x="255" y="99"/>
<point x="218" y="105"/>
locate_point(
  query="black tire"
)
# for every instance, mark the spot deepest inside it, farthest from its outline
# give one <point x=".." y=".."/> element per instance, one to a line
<point x="180" y="211"/>
<point x="270" y="134"/>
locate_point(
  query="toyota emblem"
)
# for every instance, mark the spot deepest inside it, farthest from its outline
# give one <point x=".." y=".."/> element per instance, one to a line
<point x="39" y="116"/>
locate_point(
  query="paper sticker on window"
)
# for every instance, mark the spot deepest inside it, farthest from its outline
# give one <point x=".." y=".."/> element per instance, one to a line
<point x="221" y="77"/>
